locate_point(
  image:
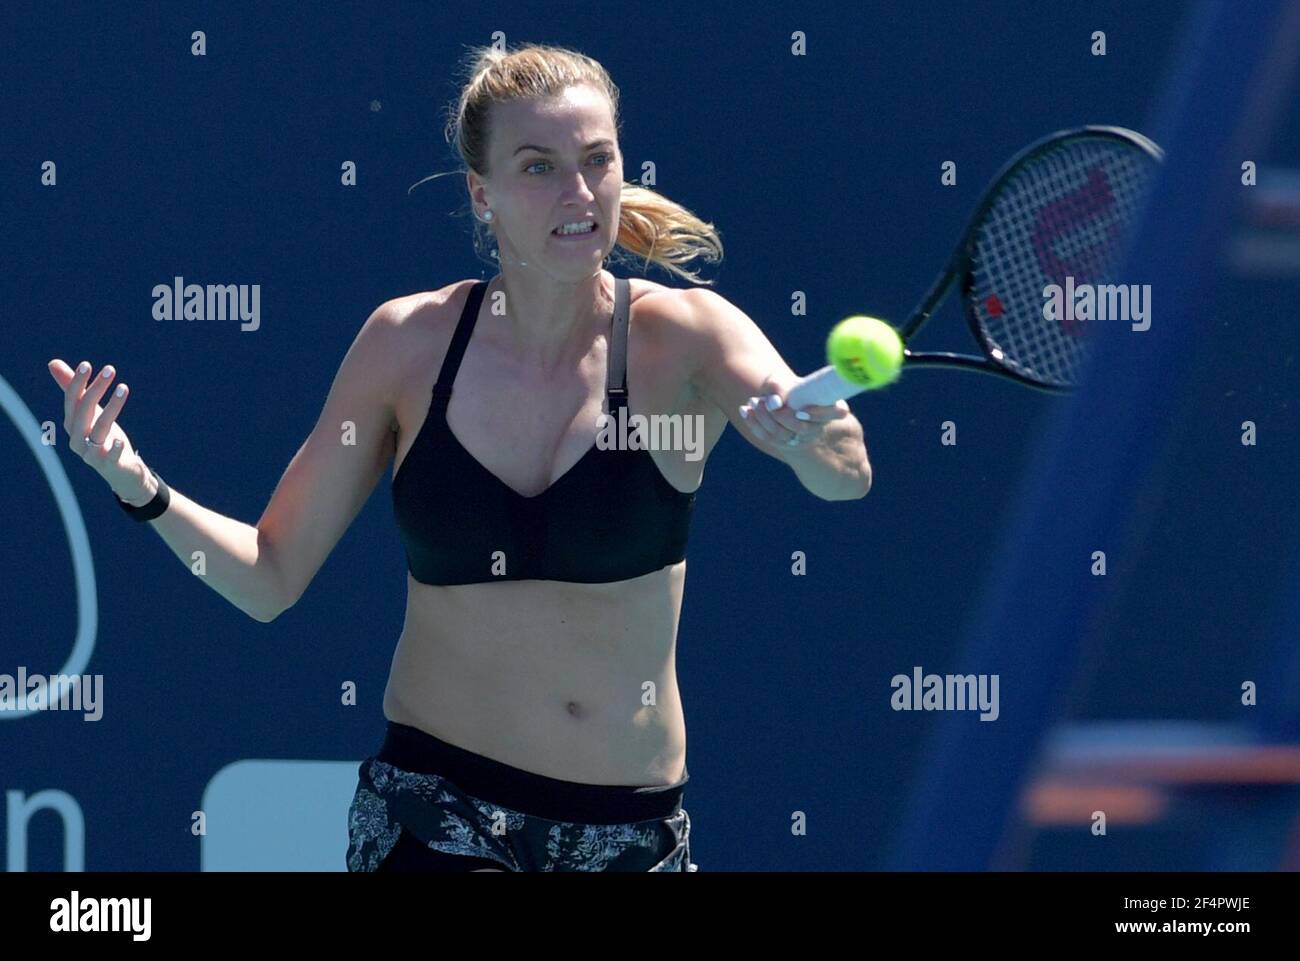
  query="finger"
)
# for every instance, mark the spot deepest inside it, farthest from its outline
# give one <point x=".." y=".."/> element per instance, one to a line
<point x="779" y="433"/>
<point x="747" y="413"/>
<point x="759" y="432"/>
<point x="115" y="453"/>
<point x="91" y="452"/>
<point x="788" y="420"/>
<point x="72" y="394"/>
<point x="61" y="372"/>
<point x="823" y="413"/>
<point x="783" y="414"/>
<point x="88" y="406"/>
<point x="104" y="422"/>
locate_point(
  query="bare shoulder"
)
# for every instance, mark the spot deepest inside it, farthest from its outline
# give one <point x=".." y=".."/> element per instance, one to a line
<point x="672" y="313"/>
<point x="686" y="322"/>
<point x="412" y="325"/>
<point x="406" y="336"/>
<point x="652" y="297"/>
<point x="420" y="309"/>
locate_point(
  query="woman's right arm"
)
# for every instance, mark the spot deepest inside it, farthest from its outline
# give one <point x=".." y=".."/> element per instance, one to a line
<point x="262" y="569"/>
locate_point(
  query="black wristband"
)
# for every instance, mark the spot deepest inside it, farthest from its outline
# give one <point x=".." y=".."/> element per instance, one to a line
<point x="147" y="512"/>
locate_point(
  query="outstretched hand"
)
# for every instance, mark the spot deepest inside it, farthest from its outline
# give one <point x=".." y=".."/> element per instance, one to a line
<point x="94" y="434"/>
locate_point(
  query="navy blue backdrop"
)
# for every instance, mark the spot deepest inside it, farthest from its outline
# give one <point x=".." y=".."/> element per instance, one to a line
<point x="821" y="171"/>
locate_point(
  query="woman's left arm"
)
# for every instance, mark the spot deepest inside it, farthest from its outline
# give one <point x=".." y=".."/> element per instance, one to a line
<point x="737" y="364"/>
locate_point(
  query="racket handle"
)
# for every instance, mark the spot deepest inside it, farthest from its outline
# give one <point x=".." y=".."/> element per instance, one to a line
<point x="821" y="388"/>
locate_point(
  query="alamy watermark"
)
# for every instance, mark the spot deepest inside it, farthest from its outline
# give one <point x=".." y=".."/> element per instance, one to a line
<point x="1075" y="302"/>
<point x="182" y="301"/>
<point x="684" y="432"/>
<point x="76" y="914"/>
<point x="53" y="692"/>
<point x="946" y="692"/>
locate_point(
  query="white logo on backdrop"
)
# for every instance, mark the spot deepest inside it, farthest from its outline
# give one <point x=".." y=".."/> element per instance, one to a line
<point x="83" y="566"/>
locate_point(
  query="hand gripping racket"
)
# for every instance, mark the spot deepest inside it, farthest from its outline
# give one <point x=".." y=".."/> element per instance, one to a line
<point x="1064" y="207"/>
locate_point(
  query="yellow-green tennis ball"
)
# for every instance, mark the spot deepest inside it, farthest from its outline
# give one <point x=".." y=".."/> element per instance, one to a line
<point x="865" y="351"/>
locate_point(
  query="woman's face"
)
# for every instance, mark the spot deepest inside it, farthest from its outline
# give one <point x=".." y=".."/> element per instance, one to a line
<point x="554" y="161"/>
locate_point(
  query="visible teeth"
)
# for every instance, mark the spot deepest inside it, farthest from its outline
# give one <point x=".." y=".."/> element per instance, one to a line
<point x="585" y="227"/>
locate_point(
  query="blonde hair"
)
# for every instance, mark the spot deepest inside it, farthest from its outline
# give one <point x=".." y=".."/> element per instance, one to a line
<point x="650" y="226"/>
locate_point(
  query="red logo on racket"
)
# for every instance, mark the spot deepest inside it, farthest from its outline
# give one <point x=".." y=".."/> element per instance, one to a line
<point x="1067" y="215"/>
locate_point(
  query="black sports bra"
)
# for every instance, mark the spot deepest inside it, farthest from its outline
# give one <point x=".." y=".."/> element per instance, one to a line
<point x="610" y="517"/>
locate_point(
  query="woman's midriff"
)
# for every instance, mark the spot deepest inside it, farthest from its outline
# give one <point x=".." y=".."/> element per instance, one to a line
<point x="573" y="681"/>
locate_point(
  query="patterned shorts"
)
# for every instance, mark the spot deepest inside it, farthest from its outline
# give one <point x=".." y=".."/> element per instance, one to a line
<point x="421" y="786"/>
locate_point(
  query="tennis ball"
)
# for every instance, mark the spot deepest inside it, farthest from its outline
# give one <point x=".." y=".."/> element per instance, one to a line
<point x="865" y="351"/>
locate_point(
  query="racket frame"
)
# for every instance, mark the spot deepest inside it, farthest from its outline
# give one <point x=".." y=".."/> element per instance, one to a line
<point x="959" y="264"/>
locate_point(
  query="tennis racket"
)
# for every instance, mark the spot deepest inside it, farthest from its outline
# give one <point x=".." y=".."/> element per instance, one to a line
<point x="1065" y="206"/>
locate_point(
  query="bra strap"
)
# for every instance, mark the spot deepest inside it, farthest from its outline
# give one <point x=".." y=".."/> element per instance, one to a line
<point x="616" y="365"/>
<point x="459" y="341"/>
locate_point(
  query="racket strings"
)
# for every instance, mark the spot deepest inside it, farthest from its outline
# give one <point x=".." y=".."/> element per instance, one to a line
<point x="1065" y="213"/>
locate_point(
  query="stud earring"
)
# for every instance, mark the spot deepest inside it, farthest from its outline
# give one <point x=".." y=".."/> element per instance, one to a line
<point x="487" y="216"/>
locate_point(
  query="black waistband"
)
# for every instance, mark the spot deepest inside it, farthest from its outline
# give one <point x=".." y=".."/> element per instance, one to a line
<point x="482" y="777"/>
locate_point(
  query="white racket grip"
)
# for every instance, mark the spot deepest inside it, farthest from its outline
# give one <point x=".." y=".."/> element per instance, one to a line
<point x="822" y="388"/>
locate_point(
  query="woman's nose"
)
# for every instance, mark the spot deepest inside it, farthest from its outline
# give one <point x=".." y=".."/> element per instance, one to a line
<point x="579" y="186"/>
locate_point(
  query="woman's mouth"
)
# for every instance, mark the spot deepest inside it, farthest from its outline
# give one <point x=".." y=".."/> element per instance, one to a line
<point x="575" y="230"/>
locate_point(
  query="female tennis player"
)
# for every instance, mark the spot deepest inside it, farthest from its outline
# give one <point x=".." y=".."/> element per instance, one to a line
<point x="534" y="720"/>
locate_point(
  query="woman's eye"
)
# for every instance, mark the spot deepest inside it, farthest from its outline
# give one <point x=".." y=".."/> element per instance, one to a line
<point x="607" y="157"/>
